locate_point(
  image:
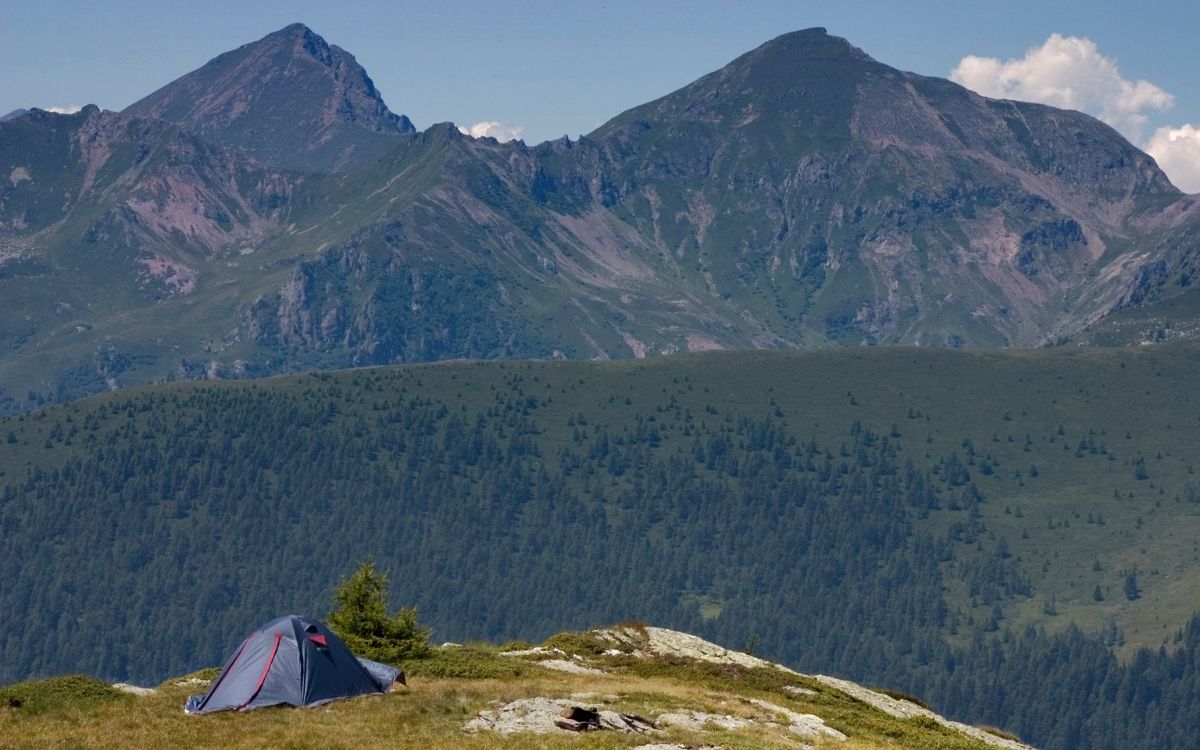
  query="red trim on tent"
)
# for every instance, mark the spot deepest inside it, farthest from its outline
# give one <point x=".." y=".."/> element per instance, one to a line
<point x="213" y="690"/>
<point x="267" y="668"/>
<point x="319" y="640"/>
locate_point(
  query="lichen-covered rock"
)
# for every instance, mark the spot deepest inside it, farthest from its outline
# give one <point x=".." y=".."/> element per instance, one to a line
<point x="534" y="715"/>
<point x="547" y="715"/>
<point x="805" y="725"/>
<point x="699" y="721"/>
<point x="573" y="667"/>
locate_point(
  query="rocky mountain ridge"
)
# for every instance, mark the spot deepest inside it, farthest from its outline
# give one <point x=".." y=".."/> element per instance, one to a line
<point x="803" y="195"/>
<point x="290" y="98"/>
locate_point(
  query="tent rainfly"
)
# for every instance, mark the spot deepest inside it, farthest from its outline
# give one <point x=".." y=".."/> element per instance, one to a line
<point x="292" y="661"/>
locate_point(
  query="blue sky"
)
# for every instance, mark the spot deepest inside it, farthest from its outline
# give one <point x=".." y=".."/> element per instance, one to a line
<point x="555" y="68"/>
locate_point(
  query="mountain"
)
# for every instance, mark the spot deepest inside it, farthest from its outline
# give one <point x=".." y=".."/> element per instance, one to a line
<point x="837" y="197"/>
<point x="108" y="218"/>
<point x="626" y="686"/>
<point x="805" y="195"/>
<point x="1162" y="302"/>
<point x="290" y="98"/>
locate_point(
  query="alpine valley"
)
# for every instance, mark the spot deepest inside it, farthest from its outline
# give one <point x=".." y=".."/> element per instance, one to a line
<point x="929" y="418"/>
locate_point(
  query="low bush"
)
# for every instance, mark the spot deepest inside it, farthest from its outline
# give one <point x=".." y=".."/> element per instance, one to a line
<point x="902" y="696"/>
<point x="1001" y="733"/>
<point x="466" y="662"/>
<point x="68" y="690"/>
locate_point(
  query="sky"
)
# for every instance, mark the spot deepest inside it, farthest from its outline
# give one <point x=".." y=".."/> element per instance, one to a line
<point x="539" y="70"/>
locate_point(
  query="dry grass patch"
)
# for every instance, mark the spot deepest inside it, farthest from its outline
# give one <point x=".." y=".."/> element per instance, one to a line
<point x="455" y="685"/>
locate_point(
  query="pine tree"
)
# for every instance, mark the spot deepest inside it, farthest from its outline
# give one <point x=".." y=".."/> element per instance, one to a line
<point x="361" y="620"/>
<point x="1131" y="585"/>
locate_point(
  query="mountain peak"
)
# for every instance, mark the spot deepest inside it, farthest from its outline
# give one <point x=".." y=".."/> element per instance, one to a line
<point x="804" y="81"/>
<point x="291" y="98"/>
<point x="305" y="41"/>
<point x="814" y="34"/>
<point x="812" y="43"/>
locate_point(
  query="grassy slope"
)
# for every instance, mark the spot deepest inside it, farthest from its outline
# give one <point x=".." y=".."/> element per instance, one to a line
<point x="1171" y="318"/>
<point x="1019" y="409"/>
<point x="151" y="335"/>
<point x="77" y="712"/>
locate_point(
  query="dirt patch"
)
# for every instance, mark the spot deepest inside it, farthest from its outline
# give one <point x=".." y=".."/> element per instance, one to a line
<point x="175" y="277"/>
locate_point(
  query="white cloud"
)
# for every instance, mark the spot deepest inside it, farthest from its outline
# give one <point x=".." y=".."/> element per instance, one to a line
<point x="501" y="131"/>
<point x="70" y="109"/>
<point x="1177" y="151"/>
<point x="1068" y="72"/>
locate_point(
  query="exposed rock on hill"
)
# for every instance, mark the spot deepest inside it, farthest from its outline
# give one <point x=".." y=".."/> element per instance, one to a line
<point x="614" y="646"/>
<point x="290" y="98"/>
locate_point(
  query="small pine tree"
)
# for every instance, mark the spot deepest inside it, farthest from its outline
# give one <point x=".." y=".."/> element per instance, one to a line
<point x="1132" y="591"/>
<point x="360" y="618"/>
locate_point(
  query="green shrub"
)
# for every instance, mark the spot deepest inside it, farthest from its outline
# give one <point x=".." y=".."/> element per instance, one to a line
<point x="65" y="691"/>
<point x="927" y="722"/>
<point x="902" y="696"/>
<point x="1001" y="733"/>
<point x="208" y="674"/>
<point x="467" y="663"/>
<point x="583" y="644"/>
<point x="360" y="618"/>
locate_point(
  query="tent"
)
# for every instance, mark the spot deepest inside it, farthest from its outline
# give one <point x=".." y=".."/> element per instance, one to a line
<point x="294" y="661"/>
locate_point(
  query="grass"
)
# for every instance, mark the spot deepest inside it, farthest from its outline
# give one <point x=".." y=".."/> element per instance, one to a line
<point x="74" y="711"/>
<point x="467" y="662"/>
<point x="58" y="693"/>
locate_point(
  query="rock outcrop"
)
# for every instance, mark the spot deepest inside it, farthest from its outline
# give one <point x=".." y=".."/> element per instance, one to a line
<point x="616" y="645"/>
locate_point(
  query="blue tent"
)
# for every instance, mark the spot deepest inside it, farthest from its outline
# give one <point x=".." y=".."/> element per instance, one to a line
<point x="292" y="661"/>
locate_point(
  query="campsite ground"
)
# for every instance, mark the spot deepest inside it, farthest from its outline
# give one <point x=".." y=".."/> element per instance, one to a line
<point x="455" y="685"/>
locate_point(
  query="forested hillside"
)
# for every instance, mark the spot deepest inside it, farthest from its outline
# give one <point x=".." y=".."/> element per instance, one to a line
<point x="894" y="516"/>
